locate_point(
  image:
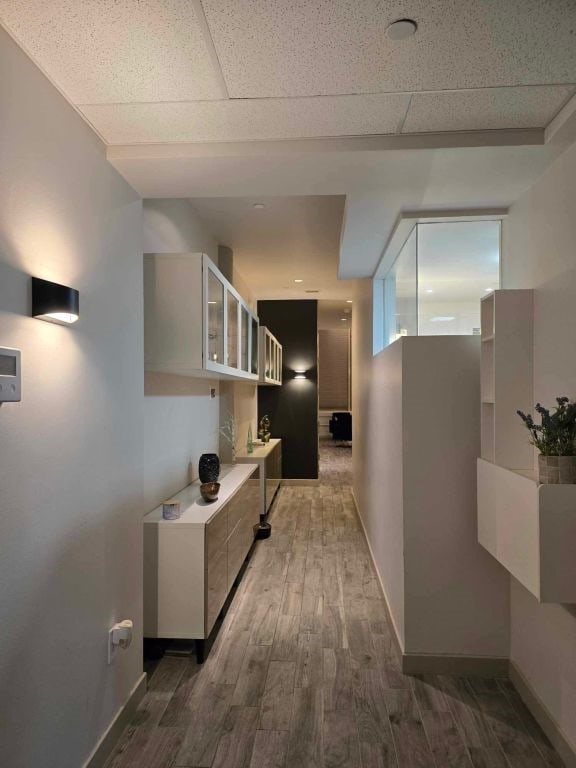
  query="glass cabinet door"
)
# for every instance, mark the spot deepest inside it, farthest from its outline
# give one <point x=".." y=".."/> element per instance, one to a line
<point x="254" y="353"/>
<point x="267" y="371"/>
<point x="232" y="306"/>
<point x="244" y="335"/>
<point x="215" y="319"/>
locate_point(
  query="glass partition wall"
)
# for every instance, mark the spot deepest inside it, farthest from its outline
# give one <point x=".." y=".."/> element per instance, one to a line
<point x="435" y="285"/>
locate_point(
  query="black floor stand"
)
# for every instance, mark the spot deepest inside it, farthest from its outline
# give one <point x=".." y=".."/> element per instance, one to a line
<point x="263" y="529"/>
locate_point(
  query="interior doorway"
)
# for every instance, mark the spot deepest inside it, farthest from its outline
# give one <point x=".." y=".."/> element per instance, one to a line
<point x="335" y="390"/>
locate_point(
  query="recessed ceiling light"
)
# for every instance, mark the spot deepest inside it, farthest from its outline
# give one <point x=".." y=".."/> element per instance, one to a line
<point x="298" y="280"/>
<point x="429" y="290"/>
<point x="442" y="319"/>
<point x="343" y="318"/>
<point x="348" y="301"/>
<point x="488" y="290"/>
<point x="258" y="206"/>
<point x="401" y="29"/>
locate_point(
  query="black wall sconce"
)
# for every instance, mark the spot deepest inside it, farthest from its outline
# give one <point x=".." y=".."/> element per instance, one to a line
<point x="53" y="302"/>
<point x="300" y="374"/>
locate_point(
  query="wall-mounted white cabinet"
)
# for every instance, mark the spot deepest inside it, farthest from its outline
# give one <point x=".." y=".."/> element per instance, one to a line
<point x="530" y="529"/>
<point x="270" y="358"/>
<point x="195" y="322"/>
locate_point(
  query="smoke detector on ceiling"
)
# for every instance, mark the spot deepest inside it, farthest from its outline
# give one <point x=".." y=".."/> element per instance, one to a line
<point x="401" y="29"/>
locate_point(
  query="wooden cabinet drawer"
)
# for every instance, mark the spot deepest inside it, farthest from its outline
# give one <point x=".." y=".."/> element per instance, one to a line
<point x="217" y="532"/>
<point x="236" y="554"/>
<point x="216" y="585"/>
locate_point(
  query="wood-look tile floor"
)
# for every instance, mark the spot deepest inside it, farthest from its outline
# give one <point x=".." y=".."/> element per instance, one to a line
<point x="303" y="673"/>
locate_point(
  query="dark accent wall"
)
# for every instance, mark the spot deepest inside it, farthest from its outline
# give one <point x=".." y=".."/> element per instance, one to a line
<point x="293" y="407"/>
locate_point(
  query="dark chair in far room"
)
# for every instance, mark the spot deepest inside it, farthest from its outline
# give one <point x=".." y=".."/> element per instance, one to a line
<point x="340" y="426"/>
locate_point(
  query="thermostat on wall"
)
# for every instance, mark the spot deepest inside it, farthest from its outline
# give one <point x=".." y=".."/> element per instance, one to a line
<point x="10" y="387"/>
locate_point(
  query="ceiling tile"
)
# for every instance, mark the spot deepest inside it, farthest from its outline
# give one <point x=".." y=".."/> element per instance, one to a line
<point x="245" y="120"/>
<point x="487" y="108"/>
<point x="310" y="47"/>
<point x="99" y="51"/>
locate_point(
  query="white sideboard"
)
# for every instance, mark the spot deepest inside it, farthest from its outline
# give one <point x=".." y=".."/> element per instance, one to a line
<point x="269" y="460"/>
<point x="190" y="564"/>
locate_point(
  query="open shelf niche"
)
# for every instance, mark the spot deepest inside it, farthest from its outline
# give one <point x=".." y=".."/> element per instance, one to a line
<point x="528" y="527"/>
<point x="506" y="377"/>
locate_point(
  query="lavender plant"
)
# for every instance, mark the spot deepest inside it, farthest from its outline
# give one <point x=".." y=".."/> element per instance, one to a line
<point x="556" y="433"/>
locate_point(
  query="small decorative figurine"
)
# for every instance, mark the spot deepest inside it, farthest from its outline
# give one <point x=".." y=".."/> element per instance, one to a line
<point x="264" y="430"/>
<point x="250" y="441"/>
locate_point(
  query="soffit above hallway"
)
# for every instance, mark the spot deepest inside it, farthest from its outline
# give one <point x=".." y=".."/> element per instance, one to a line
<point x="146" y="71"/>
<point x="288" y="239"/>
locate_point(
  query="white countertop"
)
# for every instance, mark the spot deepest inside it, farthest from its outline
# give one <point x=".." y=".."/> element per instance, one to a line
<point x="260" y="452"/>
<point x="196" y="511"/>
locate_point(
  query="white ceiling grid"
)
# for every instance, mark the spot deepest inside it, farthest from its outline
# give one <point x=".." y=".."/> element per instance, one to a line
<point x="155" y="71"/>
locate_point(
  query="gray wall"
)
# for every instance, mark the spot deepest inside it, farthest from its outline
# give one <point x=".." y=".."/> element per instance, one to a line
<point x="71" y="453"/>
<point x="86" y="453"/>
<point x="293" y="407"/>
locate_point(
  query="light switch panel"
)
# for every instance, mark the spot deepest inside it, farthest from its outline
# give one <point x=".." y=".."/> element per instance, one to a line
<point x="10" y="375"/>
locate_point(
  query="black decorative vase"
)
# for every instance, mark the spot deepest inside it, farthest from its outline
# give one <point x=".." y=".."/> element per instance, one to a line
<point x="209" y="468"/>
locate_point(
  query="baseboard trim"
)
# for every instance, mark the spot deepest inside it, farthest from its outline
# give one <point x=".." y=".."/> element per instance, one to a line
<point x="461" y="666"/>
<point x="104" y="748"/>
<point x="543" y="716"/>
<point x="395" y="633"/>
<point x="296" y="481"/>
<point x="436" y="664"/>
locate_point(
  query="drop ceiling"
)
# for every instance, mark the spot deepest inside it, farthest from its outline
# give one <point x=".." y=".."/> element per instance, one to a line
<point x="149" y="71"/>
<point x="310" y="98"/>
<point x="290" y="238"/>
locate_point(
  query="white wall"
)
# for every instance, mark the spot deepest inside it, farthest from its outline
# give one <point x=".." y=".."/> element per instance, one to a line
<point x="181" y="420"/>
<point x="540" y="253"/>
<point x="457" y="600"/>
<point x="71" y="451"/>
<point x="173" y="226"/>
<point x="377" y="471"/>
<point x="416" y="439"/>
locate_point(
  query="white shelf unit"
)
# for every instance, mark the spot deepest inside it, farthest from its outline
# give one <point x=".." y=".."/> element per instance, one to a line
<point x="530" y="529"/>
<point x="195" y="322"/>
<point x="506" y="377"/>
<point x="270" y="358"/>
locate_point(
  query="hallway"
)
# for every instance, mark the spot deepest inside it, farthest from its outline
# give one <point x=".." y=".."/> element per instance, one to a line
<point x="304" y="671"/>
